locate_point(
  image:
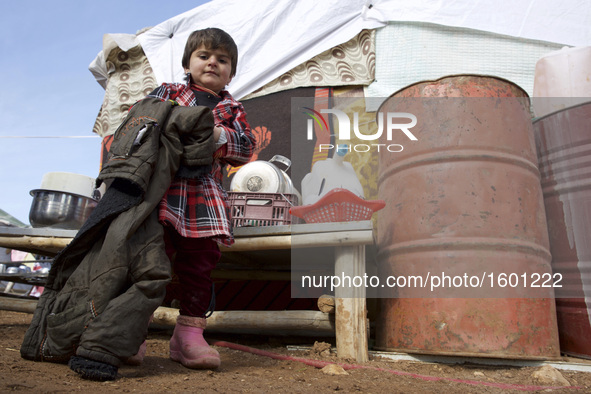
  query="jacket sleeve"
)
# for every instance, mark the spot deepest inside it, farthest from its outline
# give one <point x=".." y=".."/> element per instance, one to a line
<point x="241" y="142"/>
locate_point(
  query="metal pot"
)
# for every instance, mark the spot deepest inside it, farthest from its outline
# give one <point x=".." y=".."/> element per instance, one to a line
<point x="57" y="209"/>
<point x="264" y="177"/>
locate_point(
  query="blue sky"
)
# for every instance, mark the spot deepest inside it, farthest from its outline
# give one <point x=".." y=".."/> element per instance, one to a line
<point x="47" y="90"/>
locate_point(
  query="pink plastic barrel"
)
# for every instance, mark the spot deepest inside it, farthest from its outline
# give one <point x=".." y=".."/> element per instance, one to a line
<point x="563" y="141"/>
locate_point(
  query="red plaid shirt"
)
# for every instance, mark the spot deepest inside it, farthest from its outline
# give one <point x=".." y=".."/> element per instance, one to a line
<point x="199" y="208"/>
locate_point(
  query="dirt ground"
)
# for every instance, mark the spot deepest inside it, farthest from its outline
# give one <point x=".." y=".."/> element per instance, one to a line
<point x="244" y="371"/>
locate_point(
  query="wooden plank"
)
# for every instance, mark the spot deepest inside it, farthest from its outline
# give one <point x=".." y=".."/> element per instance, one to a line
<point x="239" y="322"/>
<point x="326" y="303"/>
<point x="309" y="228"/>
<point x="351" y="310"/>
<point x="15" y="304"/>
<point x="258" y="322"/>
<point x="341" y="238"/>
<point x="304" y="228"/>
<point x="273" y="242"/>
<point x="262" y="238"/>
<point x="37" y="232"/>
<point x="46" y="246"/>
<point x="239" y="232"/>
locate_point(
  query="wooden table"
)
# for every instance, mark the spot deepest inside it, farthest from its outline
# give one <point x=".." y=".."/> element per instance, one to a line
<point x="269" y="252"/>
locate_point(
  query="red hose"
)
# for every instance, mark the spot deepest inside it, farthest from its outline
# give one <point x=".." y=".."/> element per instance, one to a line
<point x="321" y="364"/>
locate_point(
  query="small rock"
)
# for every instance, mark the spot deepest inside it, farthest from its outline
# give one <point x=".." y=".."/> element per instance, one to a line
<point x="321" y="348"/>
<point x="550" y="376"/>
<point x="333" y="369"/>
<point x="478" y="373"/>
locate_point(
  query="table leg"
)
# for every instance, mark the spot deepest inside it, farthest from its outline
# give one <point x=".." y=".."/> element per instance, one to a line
<point x="351" y="310"/>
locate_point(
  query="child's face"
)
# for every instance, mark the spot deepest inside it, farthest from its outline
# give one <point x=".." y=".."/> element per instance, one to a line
<point x="210" y="68"/>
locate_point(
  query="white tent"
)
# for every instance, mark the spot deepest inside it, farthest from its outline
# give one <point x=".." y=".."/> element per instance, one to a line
<point x="412" y="41"/>
<point x="276" y="36"/>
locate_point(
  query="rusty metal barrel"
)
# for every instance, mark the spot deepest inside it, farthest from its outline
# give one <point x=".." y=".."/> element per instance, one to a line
<point x="464" y="205"/>
<point x="563" y="141"/>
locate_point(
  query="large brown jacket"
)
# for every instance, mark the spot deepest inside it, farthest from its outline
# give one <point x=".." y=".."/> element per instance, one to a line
<point x="104" y="286"/>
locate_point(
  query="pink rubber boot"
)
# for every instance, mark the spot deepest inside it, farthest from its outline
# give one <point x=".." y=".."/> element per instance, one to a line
<point x="138" y="358"/>
<point x="188" y="346"/>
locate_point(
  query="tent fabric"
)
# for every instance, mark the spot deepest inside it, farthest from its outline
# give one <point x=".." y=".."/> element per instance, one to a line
<point x="408" y="53"/>
<point x="273" y="37"/>
<point x="99" y="66"/>
<point x="129" y="75"/>
<point x="289" y="33"/>
<point x="129" y="79"/>
<point x="563" y="22"/>
<point x="348" y="64"/>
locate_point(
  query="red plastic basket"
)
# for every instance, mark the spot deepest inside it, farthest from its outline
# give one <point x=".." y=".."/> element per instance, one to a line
<point x="338" y="205"/>
<point x="261" y="209"/>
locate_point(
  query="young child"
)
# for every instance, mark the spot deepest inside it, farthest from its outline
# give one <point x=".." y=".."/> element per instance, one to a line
<point x="195" y="211"/>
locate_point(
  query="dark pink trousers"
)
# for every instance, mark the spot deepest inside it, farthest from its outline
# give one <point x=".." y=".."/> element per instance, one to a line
<point x="193" y="260"/>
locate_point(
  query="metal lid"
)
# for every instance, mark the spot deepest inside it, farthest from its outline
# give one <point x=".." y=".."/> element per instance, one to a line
<point x="257" y="177"/>
<point x="69" y="183"/>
